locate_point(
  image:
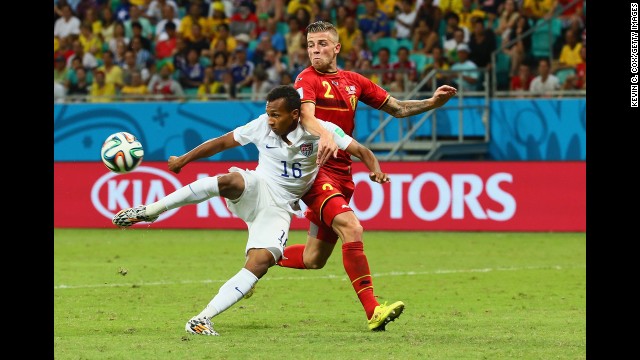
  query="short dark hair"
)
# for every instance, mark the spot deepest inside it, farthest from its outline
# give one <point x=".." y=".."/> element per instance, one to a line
<point x="287" y="92"/>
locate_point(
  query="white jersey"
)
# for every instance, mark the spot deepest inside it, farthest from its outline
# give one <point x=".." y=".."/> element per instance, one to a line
<point x="289" y="170"/>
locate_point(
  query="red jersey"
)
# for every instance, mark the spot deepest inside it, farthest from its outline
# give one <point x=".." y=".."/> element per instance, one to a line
<point x="336" y="97"/>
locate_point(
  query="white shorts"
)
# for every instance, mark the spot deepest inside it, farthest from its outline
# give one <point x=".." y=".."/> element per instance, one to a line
<point x="268" y="223"/>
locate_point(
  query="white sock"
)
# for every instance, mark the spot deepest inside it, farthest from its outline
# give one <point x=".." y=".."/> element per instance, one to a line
<point x="196" y="192"/>
<point x="230" y="293"/>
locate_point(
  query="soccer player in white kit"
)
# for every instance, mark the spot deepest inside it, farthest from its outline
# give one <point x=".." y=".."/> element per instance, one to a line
<point x="265" y="198"/>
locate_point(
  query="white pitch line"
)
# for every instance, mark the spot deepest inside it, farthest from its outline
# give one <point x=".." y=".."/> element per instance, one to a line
<point x="341" y="277"/>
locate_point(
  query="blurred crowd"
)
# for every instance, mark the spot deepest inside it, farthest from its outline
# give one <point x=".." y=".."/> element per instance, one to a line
<point x="134" y="50"/>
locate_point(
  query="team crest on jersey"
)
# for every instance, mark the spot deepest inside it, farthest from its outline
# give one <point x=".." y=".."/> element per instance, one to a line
<point x="306" y="149"/>
<point x="351" y="90"/>
<point x="354" y="102"/>
<point x="334" y="82"/>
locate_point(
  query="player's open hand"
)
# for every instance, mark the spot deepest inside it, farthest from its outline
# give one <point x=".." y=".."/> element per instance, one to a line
<point x="174" y="164"/>
<point x="379" y="177"/>
<point x="326" y="147"/>
<point x="443" y="94"/>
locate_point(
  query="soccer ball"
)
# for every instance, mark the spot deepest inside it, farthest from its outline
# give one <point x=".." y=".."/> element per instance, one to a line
<point x="121" y="152"/>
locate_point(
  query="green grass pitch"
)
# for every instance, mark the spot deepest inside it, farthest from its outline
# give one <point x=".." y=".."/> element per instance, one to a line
<point x="127" y="294"/>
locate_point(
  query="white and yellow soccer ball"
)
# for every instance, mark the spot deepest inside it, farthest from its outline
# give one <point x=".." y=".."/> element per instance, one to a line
<point x="121" y="152"/>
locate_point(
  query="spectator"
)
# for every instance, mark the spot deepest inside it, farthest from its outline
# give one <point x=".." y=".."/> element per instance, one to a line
<point x="101" y="91"/>
<point x="241" y="68"/>
<point x="430" y="12"/>
<point x="81" y="87"/>
<point x="191" y="76"/>
<point x="118" y="55"/>
<point x="369" y="72"/>
<point x="180" y="55"/>
<point x="244" y="21"/>
<point x="439" y="63"/>
<point x="198" y="40"/>
<point x="384" y="65"/>
<point x="277" y="40"/>
<point x="466" y="67"/>
<point x="136" y="29"/>
<point x="135" y="91"/>
<point x="91" y="19"/>
<point x="228" y="87"/>
<point x="424" y="37"/>
<point x="507" y="19"/>
<point x="87" y="59"/>
<point x="91" y="43"/>
<point x="348" y="35"/>
<point x="193" y="17"/>
<point x="450" y="46"/>
<point x="481" y="43"/>
<point x="298" y="61"/>
<point x="209" y="86"/>
<point x="60" y="70"/>
<point x="168" y="15"/>
<point x="579" y="80"/>
<point x="164" y="86"/>
<point x="166" y="48"/>
<point x="113" y="72"/>
<point x="223" y="35"/>
<point x="135" y="16"/>
<point x="359" y="52"/>
<point x="107" y="24"/>
<point x="545" y="82"/>
<point x="156" y="11"/>
<point x="492" y="9"/>
<point x="294" y="37"/>
<point x="143" y="56"/>
<point x="404" y="66"/>
<point x="273" y="66"/>
<point x="519" y="51"/>
<point x="570" y="53"/>
<point x="118" y="36"/>
<point x="219" y="63"/>
<point x="261" y="84"/>
<point x="217" y="16"/>
<point x="130" y="66"/>
<point x="374" y="23"/>
<point x="452" y="23"/>
<point x="304" y="17"/>
<point x="68" y="25"/>
<point x="405" y="19"/>
<point x="522" y="81"/>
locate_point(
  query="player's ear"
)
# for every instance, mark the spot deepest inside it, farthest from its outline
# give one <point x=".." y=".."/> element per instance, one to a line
<point x="296" y="114"/>
<point x="338" y="47"/>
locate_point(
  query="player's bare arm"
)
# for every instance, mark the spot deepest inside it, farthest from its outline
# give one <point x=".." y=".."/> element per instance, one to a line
<point x="204" y="150"/>
<point x="369" y="159"/>
<point x="403" y="108"/>
<point x="326" y="146"/>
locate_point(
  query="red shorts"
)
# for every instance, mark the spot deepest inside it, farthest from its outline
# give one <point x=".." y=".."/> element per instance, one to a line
<point x="328" y="197"/>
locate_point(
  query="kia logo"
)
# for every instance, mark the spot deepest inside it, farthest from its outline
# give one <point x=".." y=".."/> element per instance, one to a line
<point x="118" y="184"/>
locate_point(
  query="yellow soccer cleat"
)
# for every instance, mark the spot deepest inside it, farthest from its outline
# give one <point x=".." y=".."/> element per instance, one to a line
<point x="384" y="314"/>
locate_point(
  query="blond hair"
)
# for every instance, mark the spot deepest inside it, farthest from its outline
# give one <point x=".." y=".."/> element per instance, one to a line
<point x="323" y="26"/>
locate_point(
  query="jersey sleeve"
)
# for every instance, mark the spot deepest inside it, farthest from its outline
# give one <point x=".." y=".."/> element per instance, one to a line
<point x="372" y="94"/>
<point x="305" y="85"/>
<point x="339" y="136"/>
<point x="250" y="132"/>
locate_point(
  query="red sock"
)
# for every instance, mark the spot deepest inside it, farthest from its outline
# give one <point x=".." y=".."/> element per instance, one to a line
<point x="292" y="257"/>
<point x="357" y="268"/>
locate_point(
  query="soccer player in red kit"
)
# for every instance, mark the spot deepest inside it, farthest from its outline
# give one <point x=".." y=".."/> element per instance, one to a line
<point x="332" y="95"/>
